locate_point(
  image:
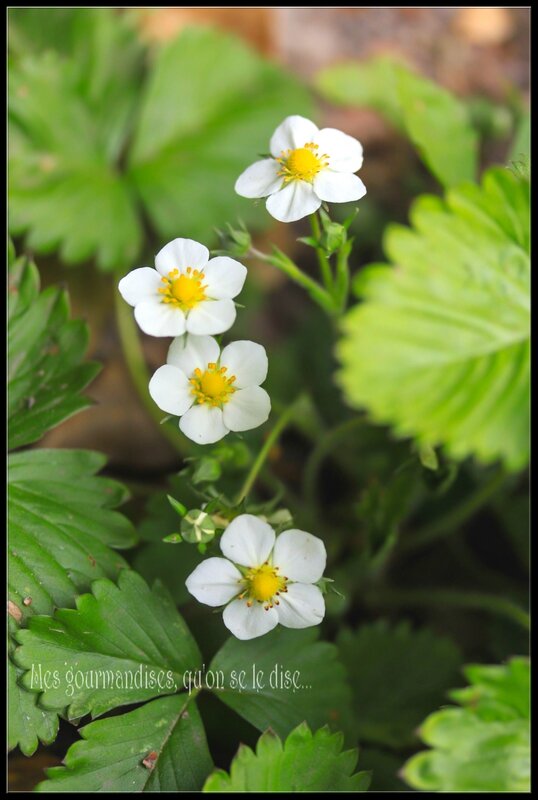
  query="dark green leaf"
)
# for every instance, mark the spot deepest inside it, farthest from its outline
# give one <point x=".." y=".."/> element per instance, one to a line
<point x="396" y="675"/>
<point x="45" y="351"/>
<point x="484" y="746"/>
<point x="305" y="762"/>
<point x="315" y="692"/>
<point x="167" y="734"/>
<point x="122" y="645"/>
<point x="61" y="527"/>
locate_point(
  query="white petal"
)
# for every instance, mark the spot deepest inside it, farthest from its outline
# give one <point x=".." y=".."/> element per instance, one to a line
<point x="246" y="409"/>
<point x="203" y="424"/>
<point x="247" y="541"/>
<point x="247" y="361"/>
<point x="171" y="390"/>
<point x="224" y="277"/>
<point x="211" y="317"/>
<point x="338" y="187"/>
<point x="260" y="179"/>
<point x="301" y="606"/>
<point x="293" y="202"/>
<point x="294" y="132"/>
<point x="345" y="152"/>
<point x="193" y="352"/>
<point x="300" y="556"/>
<point x="214" y="582"/>
<point x="180" y="254"/>
<point x="140" y="284"/>
<point x="159" y="319"/>
<point x="249" y="622"/>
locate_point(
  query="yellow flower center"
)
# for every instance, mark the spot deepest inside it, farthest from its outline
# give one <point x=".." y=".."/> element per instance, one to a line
<point x="184" y="290"/>
<point x="302" y="164"/>
<point x="212" y="386"/>
<point x="263" y="585"/>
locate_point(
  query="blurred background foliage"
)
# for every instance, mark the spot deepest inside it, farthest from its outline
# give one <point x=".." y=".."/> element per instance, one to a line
<point x="128" y="128"/>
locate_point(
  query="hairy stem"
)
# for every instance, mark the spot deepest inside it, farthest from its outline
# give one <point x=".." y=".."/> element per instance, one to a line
<point x="323" y="259"/>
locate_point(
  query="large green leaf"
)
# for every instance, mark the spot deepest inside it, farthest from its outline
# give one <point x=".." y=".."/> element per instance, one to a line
<point x="209" y="109"/>
<point x="167" y="734"/>
<point x="305" y="762"/>
<point x="61" y="527"/>
<point x="316" y="690"/>
<point x="440" y="346"/>
<point x="45" y="351"/>
<point x="27" y="723"/>
<point x="484" y="746"/>
<point x="123" y="644"/>
<point x="397" y="675"/>
<point x="435" y="121"/>
<point x="203" y="107"/>
<point x="69" y="119"/>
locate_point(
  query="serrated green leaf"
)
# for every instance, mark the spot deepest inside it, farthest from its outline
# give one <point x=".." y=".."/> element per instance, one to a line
<point x="111" y="754"/>
<point x="45" y="351"/>
<point x="316" y="691"/>
<point x="396" y="675"/>
<point x="171" y="565"/>
<point x="440" y="346"/>
<point x="27" y="723"/>
<point x="435" y="121"/>
<point x="61" y="527"/>
<point x="483" y="746"/>
<point x="210" y="106"/>
<point x="126" y="644"/>
<point x="305" y="762"/>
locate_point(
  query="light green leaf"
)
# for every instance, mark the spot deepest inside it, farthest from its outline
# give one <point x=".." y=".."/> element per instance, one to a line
<point x="167" y="734"/>
<point x="484" y="746"/>
<point x="69" y="116"/>
<point x="123" y="644"/>
<point x="209" y="109"/>
<point x="61" y="527"/>
<point x="45" y="351"/>
<point x="305" y="762"/>
<point x="440" y="346"/>
<point x="315" y="692"/>
<point x="435" y="121"/>
<point x="396" y="675"/>
<point x="27" y="723"/>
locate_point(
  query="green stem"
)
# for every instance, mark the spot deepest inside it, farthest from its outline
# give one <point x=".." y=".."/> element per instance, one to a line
<point x="342" y="275"/>
<point x="456" y="599"/>
<point x="456" y="518"/>
<point x="323" y="260"/>
<point x="289" y="268"/>
<point x="318" y="454"/>
<point x="281" y="423"/>
<point x="136" y="364"/>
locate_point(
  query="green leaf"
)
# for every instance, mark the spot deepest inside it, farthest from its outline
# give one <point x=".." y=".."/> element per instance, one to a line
<point x="484" y="746"/>
<point x="61" y="527"/>
<point x="111" y="755"/>
<point x="45" y="351"/>
<point x="171" y="565"/>
<point x="69" y="116"/>
<point x="305" y="762"/>
<point x="302" y="681"/>
<point x="440" y="346"/>
<point x="521" y="146"/>
<point x="435" y="121"/>
<point x="211" y="104"/>
<point x="123" y="644"/>
<point x="27" y="723"/>
<point x="397" y="675"/>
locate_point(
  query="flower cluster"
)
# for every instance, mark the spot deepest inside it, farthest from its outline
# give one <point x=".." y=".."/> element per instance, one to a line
<point x="190" y="297"/>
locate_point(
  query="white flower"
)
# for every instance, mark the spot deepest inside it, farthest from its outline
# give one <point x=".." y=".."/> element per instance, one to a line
<point x="263" y="580"/>
<point x="308" y="166"/>
<point x="213" y="392"/>
<point x="186" y="292"/>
